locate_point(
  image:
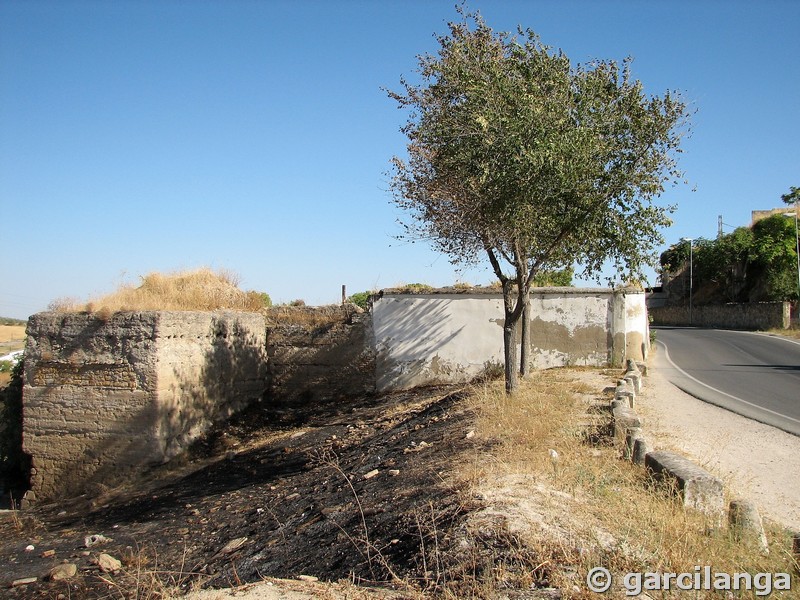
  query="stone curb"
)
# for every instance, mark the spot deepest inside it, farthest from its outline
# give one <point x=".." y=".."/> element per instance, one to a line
<point x="697" y="488"/>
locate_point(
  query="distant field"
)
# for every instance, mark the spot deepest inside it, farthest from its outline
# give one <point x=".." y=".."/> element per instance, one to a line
<point x="10" y="333"/>
<point x="12" y="337"/>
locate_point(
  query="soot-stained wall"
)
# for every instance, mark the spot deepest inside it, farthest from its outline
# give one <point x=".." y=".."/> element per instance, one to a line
<point x="103" y="396"/>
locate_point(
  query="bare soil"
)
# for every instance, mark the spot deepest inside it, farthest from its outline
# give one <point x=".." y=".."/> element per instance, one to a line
<point x="344" y="491"/>
<point x="360" y="492"/>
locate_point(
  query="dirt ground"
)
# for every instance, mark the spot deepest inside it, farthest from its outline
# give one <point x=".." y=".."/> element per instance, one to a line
<point x="346" y="491"/>
<point x="353" y="495"/>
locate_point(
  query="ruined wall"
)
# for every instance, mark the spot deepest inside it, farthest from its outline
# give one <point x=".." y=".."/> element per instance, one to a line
<point x="320" y="353"/>
<point x="104" y="396"/>
<point x="449" y="337"/>
<point x="752" y="316"/>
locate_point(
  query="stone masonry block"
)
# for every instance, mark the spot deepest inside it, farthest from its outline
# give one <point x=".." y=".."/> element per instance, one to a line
<point x="624" y="418"/>
<point x="698" y="488"/>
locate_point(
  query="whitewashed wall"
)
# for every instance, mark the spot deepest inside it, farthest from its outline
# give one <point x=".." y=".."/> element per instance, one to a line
<point x="450" y="337"/>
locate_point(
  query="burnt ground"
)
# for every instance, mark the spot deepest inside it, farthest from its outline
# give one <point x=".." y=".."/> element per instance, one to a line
<point x="279" y="492"/>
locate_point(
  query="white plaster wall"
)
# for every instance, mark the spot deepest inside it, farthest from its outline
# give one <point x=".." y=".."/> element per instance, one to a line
<point x="570" y="327"/>
<point x="436" y="338"/>
<point x="637" y="326"/>
<point x="428" y="339"/>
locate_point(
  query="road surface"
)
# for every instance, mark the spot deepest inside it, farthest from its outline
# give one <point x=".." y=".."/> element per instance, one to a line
<point x="753" y="374"/>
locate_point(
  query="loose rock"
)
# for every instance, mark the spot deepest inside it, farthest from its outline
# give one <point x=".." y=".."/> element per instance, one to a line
<point x="95" y="540"/>
<point x="61" y="572"/>
<point x="108" y="564"/>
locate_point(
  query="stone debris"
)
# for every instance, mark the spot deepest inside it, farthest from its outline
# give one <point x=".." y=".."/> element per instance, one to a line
<point x="24" y="581"/>
<point x="30" y="548"/>
<point x="415" y="447"/>
<point x="63" y="571"/>
<point x="108" y="564"/>
<point x="308" y="578"/>
<point x="48" y="553"/>
<point x="95" y="540"/>
<point x="371" y="474"/>
<point x="232" y="546"/>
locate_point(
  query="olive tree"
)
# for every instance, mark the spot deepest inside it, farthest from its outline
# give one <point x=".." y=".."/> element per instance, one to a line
<point x="517" y="156"/>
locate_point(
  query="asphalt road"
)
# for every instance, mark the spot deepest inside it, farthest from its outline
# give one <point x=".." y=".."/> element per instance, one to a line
<point x="755" y="375"/>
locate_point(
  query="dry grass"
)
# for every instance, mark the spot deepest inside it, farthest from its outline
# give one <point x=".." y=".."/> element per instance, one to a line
<point x="202" y="289"/>
<point x="792" y="332"/>
<point x="590" y="508"/>
<point x="12" y="333"/>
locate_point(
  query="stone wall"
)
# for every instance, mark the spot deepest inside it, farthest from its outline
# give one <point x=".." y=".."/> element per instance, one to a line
<point x="105" y="396"/>
<point x="755" y="316"/>
<point x="451" y="337"/>
<point x="320" y="353"/>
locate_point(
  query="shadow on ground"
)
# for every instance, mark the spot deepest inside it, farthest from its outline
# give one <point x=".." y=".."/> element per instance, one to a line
<point x="351" y="490"/>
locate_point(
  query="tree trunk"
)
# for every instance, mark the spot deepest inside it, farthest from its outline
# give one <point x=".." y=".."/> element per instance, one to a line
<point x="513" y="310"/>
<point x="510" y="349"/>
<point x="525" y="352"/>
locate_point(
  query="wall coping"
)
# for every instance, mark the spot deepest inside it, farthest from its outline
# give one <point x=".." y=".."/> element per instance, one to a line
<point x="488" y="291"/>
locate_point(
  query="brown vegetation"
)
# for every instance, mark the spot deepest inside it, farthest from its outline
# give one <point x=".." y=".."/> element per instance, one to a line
<point x="439" y="493"/>
<point x="12" y="333"/>
<point x="588" y="508"/>
<point x="201" y="289"/>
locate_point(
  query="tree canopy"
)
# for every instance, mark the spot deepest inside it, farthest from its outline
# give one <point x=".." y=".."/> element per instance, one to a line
<point x="750" y="264"/>
<point x="517" y="155"/>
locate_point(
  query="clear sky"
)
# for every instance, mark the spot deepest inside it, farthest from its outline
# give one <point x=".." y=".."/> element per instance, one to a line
<point x="140" y="136"/>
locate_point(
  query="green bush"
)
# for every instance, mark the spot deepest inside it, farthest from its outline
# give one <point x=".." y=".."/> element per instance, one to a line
<point x="360" y="299"/>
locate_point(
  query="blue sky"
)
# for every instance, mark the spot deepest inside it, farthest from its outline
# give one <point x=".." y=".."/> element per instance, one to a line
<point x="142" y="136"/>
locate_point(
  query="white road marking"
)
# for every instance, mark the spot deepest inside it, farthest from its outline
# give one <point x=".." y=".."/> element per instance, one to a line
<point x="685" y="374"/>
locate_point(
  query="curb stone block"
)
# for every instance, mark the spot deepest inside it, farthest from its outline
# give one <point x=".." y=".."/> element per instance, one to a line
<point x="698" y="488"/>
<point x="624" y="418"/>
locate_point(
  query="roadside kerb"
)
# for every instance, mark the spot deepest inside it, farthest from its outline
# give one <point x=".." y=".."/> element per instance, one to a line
<point x="697" y="488"/>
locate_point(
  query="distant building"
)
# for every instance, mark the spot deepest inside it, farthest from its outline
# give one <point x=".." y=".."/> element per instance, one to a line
<point x="758" y="215"/>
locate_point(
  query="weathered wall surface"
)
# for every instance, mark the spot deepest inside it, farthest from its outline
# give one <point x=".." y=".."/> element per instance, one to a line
<point x="755" y="315"/>
<point x="424" y="339"/>
<point x="320" y="353"/>
<point x="104" y="396"/>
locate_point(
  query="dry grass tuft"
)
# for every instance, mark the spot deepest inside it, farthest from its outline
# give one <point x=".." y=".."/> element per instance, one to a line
<point x="582" y="506"/>
<point x="201" y="289"/>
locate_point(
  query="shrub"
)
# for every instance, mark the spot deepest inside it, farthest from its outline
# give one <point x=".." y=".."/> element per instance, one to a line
<point x="360" y="299"/>
<point x="414" y="288"/>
